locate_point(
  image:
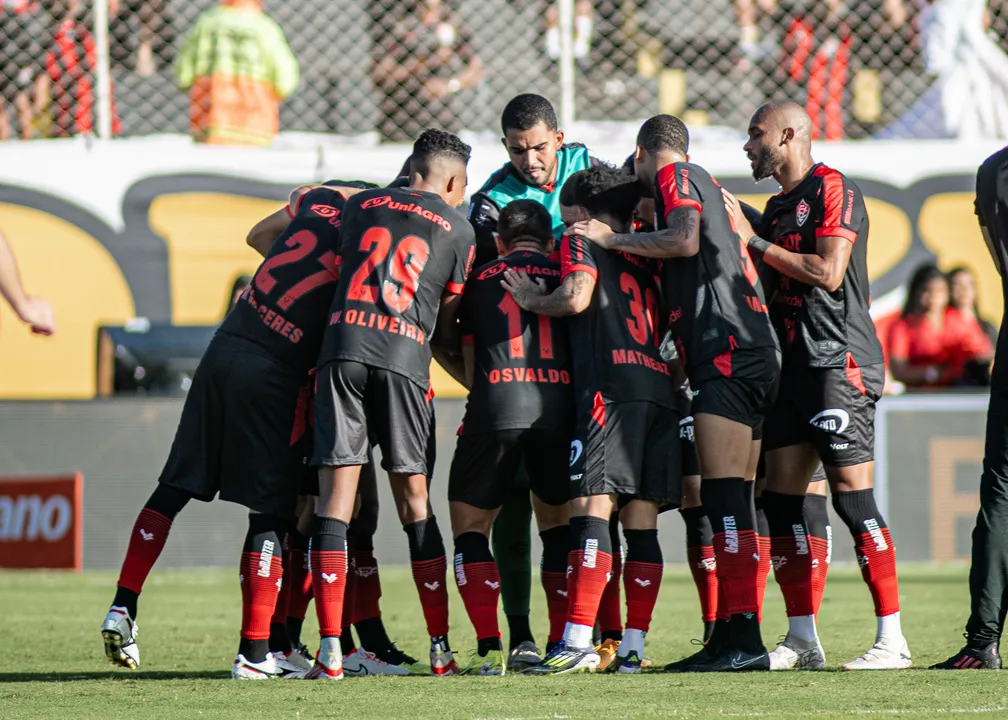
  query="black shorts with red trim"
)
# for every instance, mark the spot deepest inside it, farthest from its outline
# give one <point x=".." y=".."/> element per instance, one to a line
<point x="833" y="409"/>
<point x="240" y="430"/>
<point x="742" y="390"/>
<point x="628" y="449"/>
<point x="484" y="470"/>
<point x="358" y="405"/>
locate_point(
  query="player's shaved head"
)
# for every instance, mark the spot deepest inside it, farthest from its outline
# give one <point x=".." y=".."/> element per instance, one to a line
<point x="438" y="164"/>
<point x="780" y="134"/>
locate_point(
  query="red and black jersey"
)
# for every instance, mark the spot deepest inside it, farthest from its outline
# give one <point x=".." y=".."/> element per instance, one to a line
<point x="286" y="306"/>
<point x="523" y="374"/>
<point x="818" y="328"/>
<point x="401" y="251"/>
<point x="615" y="341"/>
<point x="715" y="298"/>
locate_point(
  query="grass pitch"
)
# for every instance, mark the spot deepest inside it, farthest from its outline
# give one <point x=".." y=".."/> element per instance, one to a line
<point x="53" y="665"/>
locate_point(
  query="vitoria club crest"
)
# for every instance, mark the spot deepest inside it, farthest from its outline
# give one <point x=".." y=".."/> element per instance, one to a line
<point x="802" y="213"/>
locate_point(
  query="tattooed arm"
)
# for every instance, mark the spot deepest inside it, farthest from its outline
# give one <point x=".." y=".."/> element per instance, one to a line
<point x="680" y="239"/>
<point x="572" y="297"/>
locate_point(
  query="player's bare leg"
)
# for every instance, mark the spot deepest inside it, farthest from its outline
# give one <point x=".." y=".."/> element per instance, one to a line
<point x="553" y="522"/>
<point x="788" y="472"/>
<point x="854" y="502"/>
<point x="642" y="575"/>
<point x="726" y="450"/>
<point x="478" y="583"/>
<point x="430" y="566"/>
<point x="333" y="511"/>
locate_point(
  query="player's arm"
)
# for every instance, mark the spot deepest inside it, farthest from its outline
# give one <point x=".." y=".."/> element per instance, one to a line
<point x="572" y="297"/>
<point x="985" y="206"/>
<point x="33" y="311"/>
<point x="769" y="278"/>
<point x="469" y="361"/>
<point x="262" y="235"/>
<point x="483" y="214"/>
<point x="681" y="237"/>
<point x="446" y="343"/>
<point x="825" y="269"/>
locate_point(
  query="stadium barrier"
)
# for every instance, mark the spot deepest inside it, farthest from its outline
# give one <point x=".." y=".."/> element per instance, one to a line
<point x="41" y="521"/>
<point x="929" y="449"/>
<point x="155" y="227"/>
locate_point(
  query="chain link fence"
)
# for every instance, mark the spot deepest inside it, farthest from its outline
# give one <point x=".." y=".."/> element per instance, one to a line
<point x="388" y="68"/>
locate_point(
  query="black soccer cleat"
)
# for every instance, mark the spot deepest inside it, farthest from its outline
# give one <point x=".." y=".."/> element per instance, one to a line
<point x="972" y="659"/>
<point x="712" y="648"/>
<point x="737" y="661"/>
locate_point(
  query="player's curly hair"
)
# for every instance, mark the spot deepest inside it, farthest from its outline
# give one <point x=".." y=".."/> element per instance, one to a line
<point x="524" y="111"/>
<point x="603" y="188"/>
<point x="664" y="132"/>
<point x="525" y="219"/>
<point x="434" y="145"/>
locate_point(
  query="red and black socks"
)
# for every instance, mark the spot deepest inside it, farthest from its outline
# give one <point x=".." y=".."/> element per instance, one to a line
<point x="763" y="537"/>
<point x="610" y="614"/>
<point x="791" y="550"/>
<point x="700" y="556"/>
<point x="147" y="540"/>
<point x="260" y="576"/>
<point x="736" y="551"/>
<point x="642" y="576"/>
<point x="349" y="598"/>
<point x="820" y="537"/>
<point x="553" y="573"/>
<point x="479" y="585"/>
<point x="328" y="555"/>
<point x="430" y="568"/>
<point x="590" y="563"/>
<point x="367" y="612"/>
<point x="297" y="578"/>
<point x="279" y="640"/>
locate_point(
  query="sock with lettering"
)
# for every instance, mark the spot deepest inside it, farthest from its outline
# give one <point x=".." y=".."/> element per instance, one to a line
<point x="328" y="555"/>
<point x="820" y="536"/>
<point x="553" y="573"/>
<point x="589" y="564"/>
<point x="763" y="537"/>
<point x="430" y="570"/>
<point x="260" y="576"/>
<point x="479" y="585"/>
<point x="736" y="546"/>
<point x="147" y="540"/>
<point x="700" y="555"/>
<point x="875" y="551"/>
<point x="610" y="614"/>
<point x="298" y="579"/>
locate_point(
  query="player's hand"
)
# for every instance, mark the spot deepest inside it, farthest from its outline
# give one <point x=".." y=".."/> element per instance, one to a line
<point x="38" y="314"/>
<point x="522" y="287"/>
<point x="734" y="208"/>
<point x="595" y="231"/>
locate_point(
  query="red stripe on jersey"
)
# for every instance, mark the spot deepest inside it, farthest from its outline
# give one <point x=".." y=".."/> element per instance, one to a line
<point x="430" y="392"/>
<point x="454" y="288"/>
<point x="571" y="264"/>
<point x="598" y="410"/>
<point x="570" y="269"/>
<point x="672" y="195"/>
<point x="289" y="213"/>
<point x="854" y="375"/>
<point x="833" y="202"/>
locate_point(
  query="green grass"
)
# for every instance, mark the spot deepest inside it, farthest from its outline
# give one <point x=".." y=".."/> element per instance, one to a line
<point x="53" y="666"/>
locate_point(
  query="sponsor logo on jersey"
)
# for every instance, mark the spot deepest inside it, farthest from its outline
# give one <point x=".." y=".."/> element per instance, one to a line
<point x="802" y="213"/>
<point x="326" y="211"/>
<point x="831" y="420"/>
<point x="406" y="207"/>
<point x="577" y="447"/>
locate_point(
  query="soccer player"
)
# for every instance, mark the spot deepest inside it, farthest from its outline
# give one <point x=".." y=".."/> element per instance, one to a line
<point x="625" y="453"/>
<point x="239" y="431"/>
<point x="520" y="409"/>
<point x="815" y="237"/>
<point x="988" y="576"/>
<point x="538" y="166"/>
<point x="406" y="253"/>
<point x="723" y="337"/>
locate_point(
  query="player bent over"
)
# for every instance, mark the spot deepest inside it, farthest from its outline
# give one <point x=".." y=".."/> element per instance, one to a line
<point x="626" y="446"/>
<point x="406" y="253"/>
<point x="520" y="410"/>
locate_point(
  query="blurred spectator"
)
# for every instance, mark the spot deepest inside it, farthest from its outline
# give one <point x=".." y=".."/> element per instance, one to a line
<point x="237" y="288"/>
<point x="971" y="90"/>
<point x="25" y="85"/>
<point x="748" y="13"/>
<point x="142" y="36"/>
<point x="422" y="65"/>
<point x="584" y="24"/>
<point x="931" y="344"/>
<point x="237" y="65"/>
<point x="71" y="63"/>
<point x="962" y="284"/>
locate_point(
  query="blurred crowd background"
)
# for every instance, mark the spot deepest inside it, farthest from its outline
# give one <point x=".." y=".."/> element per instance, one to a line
<point x="239" y="71"/>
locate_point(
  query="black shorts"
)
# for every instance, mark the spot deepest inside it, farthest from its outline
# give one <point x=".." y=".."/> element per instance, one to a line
<point x="358" y="405"/>
<point x="485" y="467"/>
<point x="831" y="408"/>
<point x="746" y="395"/>
<point x="817" y="476"/>
<point x="687" y="447"/>
<point x="631" y="449"/>
<point x="240" y="430"/>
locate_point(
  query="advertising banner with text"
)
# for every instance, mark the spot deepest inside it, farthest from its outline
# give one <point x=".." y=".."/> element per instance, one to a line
<point x="41" y="521"/>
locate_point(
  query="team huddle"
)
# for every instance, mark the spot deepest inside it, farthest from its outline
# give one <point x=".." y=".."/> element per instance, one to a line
<point x="633" y="339"/>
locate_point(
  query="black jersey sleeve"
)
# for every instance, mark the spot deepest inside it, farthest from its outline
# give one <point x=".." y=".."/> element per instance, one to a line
<point x="465" y="254"/>
<point x="841" y="209"/>
<point x="675" y="189"/>
<point x="576" y="255"/>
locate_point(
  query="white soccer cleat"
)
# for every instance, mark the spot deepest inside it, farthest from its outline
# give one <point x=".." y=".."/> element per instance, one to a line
<point x="796" y="654"/>
<point x="883" y="656"/>
<point x="119" y="633"/>
<point x="442" y="661"/>
<point x="293" y="664"/>
<point x="329" y="667"/>
<point x="243" y="669"/>
<point x="361" y="662"/>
